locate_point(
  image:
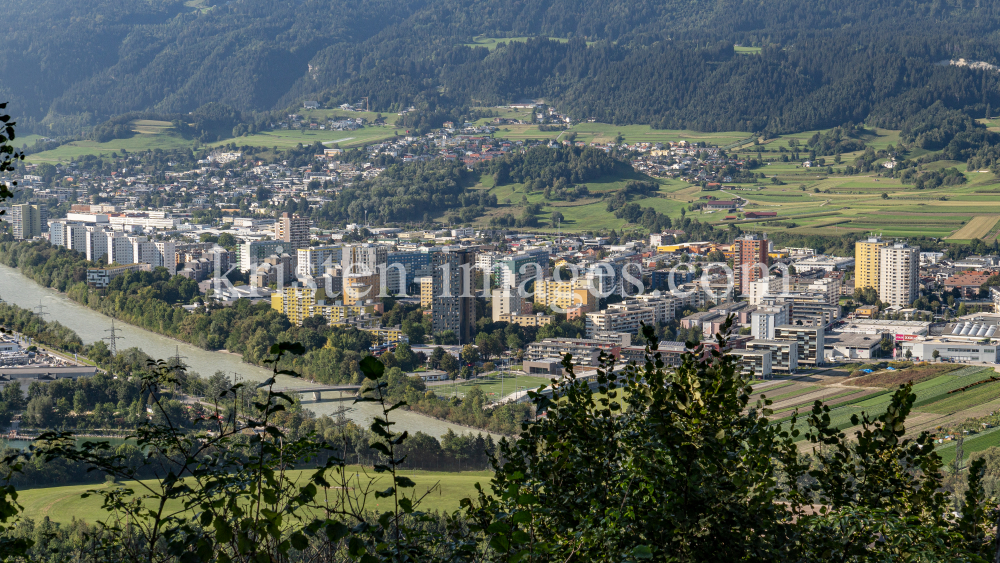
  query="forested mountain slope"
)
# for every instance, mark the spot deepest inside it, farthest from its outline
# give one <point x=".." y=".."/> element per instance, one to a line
<point x="70" y="64"/>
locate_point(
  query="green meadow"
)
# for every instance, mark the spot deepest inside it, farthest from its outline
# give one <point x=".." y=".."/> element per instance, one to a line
<point x="160" y="134"/>
<point x="444" y="491"/>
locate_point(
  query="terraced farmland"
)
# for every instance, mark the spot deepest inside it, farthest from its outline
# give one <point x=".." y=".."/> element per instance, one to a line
<point x="938" y="402"/>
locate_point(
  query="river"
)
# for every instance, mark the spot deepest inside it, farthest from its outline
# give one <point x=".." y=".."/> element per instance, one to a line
<point x="19" y="290"/>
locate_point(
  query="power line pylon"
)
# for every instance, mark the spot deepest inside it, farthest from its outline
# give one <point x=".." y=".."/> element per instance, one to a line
<point x="177" y="357"/>
<point x="113" y="338"/>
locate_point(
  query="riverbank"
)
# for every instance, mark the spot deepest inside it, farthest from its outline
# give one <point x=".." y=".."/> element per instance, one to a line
<point x="90" y="325"/>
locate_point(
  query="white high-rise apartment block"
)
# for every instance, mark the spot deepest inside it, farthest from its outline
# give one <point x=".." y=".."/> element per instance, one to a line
<point x="361" y="280"/>
<point x="75" y="237"/>
<point x="143" y="252"/>
<point x="167" y="255"/>
<point x="96" y="243"/>
<point x="485" y="261"/>
<point x="26" y="221"/>
<point x="756" y="290"/>
<point x="121" y="249"/>
<point x="363" y="258"/>
<point x="57" y="233"/>
<point x="765" y="319"/>
<point x="899" y="282"/>
<point x="118" y="248"/>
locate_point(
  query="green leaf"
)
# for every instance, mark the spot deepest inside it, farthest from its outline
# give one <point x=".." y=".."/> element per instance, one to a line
<point x="223" y="531"/>
<point x="642" y="552"/>
<point x="299" y="541"/>
<point x="405" y="482"/>
<point x="406" y="504"/>
<point x="356" y="547"/>
<point x="336" y="531"/>
<point x="372" y="368"/>
<point x="527" y="499"/>
<point x="500" y="543"/>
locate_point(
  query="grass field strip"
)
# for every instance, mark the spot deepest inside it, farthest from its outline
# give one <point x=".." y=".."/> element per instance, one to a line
<point x="792" y="394"/>
<point x="973" y="443"/>
<point x="978" y="227"/>
<point x="933" y="391"/>
<point x="827" y="400"/>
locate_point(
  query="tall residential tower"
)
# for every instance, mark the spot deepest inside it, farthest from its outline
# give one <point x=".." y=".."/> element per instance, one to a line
<point x="866" y="262"/>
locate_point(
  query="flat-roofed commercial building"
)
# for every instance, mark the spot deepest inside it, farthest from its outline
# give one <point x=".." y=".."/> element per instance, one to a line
<point x="851" y="346"/>
<point x="100" y="277"/>
<point x="952" y="349"/>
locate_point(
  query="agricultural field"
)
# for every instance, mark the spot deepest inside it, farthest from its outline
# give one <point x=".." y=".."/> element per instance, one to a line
<point x="606" y="133"/>
<point x="160" y="134"/>
<point x="491" y="43"/>
<point x="865" y="204"/>
<point x="590" y="213"/>
<point x="504" y="112"/>
<point x="809" y="201"/>
<point x="63" y="504"/>
<point x="149" y="135"/>
<point x="939" y="401"/>
<point x="21" y="141"/>
<point x="288" y="138"/>
<point x="979" y="227"/>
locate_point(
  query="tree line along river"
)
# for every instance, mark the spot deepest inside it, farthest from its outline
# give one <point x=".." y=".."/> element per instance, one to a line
<point x="17" y="289"/>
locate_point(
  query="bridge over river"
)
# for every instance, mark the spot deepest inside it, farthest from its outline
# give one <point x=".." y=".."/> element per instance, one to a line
<point x="318" y="390"/>
<point x="91" y="326"/>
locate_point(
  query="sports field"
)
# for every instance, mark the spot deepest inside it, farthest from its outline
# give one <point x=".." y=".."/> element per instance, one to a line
<point x="493" y="387"/>
<point x="62" y="504"/>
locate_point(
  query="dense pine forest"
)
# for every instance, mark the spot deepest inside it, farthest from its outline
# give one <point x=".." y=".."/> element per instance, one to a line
<point x="670" y="64"/>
